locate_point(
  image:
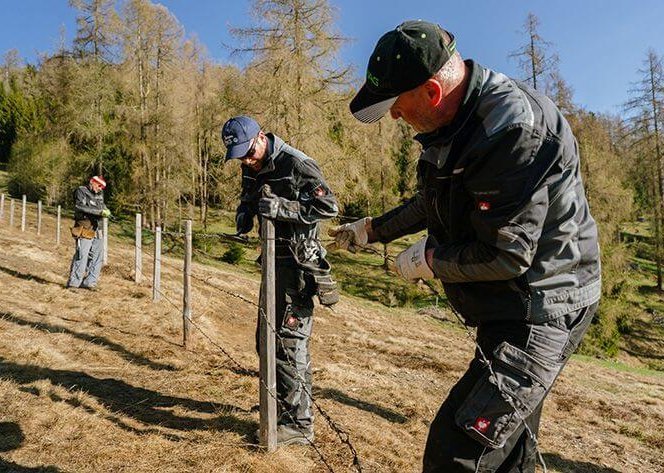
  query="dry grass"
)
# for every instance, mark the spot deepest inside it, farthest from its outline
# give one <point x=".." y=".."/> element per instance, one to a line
<point x="98" y="382"/>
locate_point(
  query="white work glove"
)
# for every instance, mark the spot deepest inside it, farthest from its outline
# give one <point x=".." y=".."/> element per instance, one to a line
<point x="350" y="236"/>
<point x="412" y="264"/>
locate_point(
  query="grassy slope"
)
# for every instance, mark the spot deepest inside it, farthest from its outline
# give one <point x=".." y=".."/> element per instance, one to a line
<point x="98" y="382"/>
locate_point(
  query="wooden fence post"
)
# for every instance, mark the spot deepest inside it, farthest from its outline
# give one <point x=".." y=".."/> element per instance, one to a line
<point x="2" y="206"/>
<point x="57" y="226"/>
<point x="104" y="261"/>
<point x="267" y="364"/>
<point x="138" y="266"/>
<point x="11" y="212"/>
<point x="39" y="216"/>
<point x="25" y="203"/>
<point x="156" y="273"/>
<point x="186" y="294"/>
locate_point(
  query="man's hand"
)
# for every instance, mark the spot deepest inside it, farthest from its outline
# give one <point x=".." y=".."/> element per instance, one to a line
<point x="412" y="263"/>
<point x="350" y="236"/>
<point x="106" y="213"/>
<point x="268" y="206"/>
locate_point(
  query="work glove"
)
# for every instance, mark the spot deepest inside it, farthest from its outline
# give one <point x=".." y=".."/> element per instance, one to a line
<point x="350" y="236"/>
<point x="411" y="263"/>
<point x="274" y="207"/>
<point x="244" y="222"/>
<point x="105" y="213"/>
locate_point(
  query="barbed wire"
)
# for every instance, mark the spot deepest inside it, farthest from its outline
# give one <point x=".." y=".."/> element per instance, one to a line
<point x="341" y="434"/>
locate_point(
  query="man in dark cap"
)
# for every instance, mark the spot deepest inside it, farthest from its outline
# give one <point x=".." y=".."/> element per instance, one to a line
<point x="285" y="185"/>
<point x="509" y="234"/>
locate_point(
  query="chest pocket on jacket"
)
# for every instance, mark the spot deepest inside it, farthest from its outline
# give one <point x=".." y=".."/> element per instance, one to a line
<point x="448" y="205"/>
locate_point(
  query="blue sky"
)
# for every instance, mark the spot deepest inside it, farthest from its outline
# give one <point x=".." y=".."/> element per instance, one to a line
<point x="601" y="43"/>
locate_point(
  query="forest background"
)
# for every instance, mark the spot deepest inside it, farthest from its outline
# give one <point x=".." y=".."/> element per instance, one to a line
<point x="137" y="100"/>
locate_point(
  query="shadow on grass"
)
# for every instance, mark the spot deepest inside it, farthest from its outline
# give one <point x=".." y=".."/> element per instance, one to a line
<point x="94" y="339"/>
<point x="343" y="398"/>
<point x="553" y="460"/>
<point x="646" y="290"/>
<point x="119" y="330"/>
<point x="641" y="341"/>
<point x="123" y="399"/>
<point x="11" y="438"/>
<point x="27" y="276"/>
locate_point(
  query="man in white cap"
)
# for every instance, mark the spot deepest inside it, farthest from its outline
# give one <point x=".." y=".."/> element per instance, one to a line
<point x="89" y="209"/>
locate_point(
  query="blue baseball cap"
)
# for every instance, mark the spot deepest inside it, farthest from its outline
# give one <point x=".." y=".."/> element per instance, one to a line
<point x="237" y="134"/>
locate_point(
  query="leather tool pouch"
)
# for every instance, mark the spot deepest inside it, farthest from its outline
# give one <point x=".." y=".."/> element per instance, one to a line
<point x="497" y="405"/>
<point x="326" y="290"/>
<point x="83" y="229"/>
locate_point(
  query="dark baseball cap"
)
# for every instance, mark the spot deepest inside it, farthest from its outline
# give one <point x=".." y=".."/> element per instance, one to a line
<point x="237" y="134"/>
<point x="403" y="59"/>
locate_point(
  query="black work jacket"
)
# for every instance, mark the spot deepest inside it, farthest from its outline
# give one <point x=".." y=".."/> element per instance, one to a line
<point x="88" y="207"/>
<point x="296" y="177"/>
<point x="501" y="191"/>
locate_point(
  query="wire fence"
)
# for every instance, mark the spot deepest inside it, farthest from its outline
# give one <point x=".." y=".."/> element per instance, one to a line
<point x="341" y="433"/>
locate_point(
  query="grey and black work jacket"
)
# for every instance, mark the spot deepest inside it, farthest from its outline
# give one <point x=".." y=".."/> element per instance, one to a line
<point x="88" y="207"/>
<point x="296" y="177"/>
<point x="501" y="191"/>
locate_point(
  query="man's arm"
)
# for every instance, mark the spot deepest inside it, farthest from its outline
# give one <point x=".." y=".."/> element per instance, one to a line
<point x="406" y="219"/>
<point x="316" y="201"/>
<point x="245" y="212"/>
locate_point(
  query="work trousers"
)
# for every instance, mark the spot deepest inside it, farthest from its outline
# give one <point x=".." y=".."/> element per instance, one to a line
<point x="477" y="428"/>
<point x="86" y="263"/>
<point x="294" y="322"/>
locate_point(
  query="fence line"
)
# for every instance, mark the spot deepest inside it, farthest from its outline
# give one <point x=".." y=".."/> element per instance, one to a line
<point x="266" y="390"/>
<point x="267" y="387"/>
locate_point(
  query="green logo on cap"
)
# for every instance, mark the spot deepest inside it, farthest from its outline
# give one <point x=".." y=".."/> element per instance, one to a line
<point x="372" y="78"/>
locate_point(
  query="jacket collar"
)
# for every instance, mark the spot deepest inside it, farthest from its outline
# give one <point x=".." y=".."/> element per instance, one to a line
<point x="274" y="147"/>
<point x="466" y="109"/>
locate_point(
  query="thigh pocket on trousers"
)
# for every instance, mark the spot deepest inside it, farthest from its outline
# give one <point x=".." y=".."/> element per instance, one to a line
<point x="500" y="401"/>
<point x="296" y="323"/>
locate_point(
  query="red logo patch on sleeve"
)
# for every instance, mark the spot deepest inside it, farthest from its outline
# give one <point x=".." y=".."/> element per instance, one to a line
<point x="482" y="424"/>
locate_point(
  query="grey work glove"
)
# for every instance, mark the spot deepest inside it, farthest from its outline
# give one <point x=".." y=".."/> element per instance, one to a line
<point x="412" y="264"/>
<point x="274" y="207"/>
<point x="350" y="236"/>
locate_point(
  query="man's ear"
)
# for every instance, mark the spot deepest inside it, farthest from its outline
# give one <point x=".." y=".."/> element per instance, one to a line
<point x="434" y="92"/>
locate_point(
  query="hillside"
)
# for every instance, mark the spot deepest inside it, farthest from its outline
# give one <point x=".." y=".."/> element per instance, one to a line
<point x="99" y="381"/>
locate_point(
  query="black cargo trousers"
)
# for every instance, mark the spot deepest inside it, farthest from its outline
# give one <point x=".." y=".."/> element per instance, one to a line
<point x="476" y="429"/>
<point x="294" y="322"/>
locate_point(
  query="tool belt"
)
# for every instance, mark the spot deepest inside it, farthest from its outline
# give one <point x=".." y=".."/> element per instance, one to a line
<point x="83" y="229"/>
<point x="318" y="275"/>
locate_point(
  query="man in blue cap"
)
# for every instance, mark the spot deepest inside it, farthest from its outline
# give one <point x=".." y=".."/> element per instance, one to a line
<point x="285" y="185"/>
<point x="509" y="234"/>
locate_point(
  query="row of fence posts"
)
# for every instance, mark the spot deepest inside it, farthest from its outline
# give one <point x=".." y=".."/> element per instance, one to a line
<point x="58" y="220"/>
<point x="39" y="217"/>
<point x="267" y="363"/>
<point x="267" y="316"/>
